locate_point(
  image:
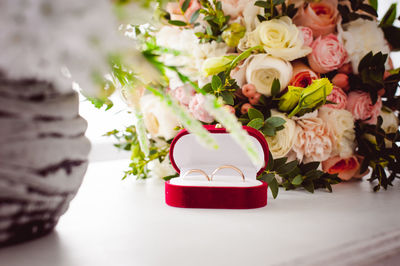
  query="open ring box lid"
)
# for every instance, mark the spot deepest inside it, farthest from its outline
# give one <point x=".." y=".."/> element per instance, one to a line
<point x="227" y="190"/>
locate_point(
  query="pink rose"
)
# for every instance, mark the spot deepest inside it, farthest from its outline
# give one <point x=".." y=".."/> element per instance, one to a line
<point x="175" y="10"/>
<point x="183" y="94"/>
<point x="328" y="54"/>
<point x="307" y="34"/>
<point x="346" y="168"/>
<point x="320" y="17"/>
<point x="360" y="105"/>
<point x="342" y="81"/>
<point x="314" y="141"/>
<point x="196" y="107"/>
<point x="337" y="96"/>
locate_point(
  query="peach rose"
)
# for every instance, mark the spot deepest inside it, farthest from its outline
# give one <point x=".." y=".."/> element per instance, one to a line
<point x="315" y="141"/>
<point x="360" y="105"/>
<point x="307" y="34"/>
<point x="302" y="75"/>
<point x="320" y="17"/>
<point x="328" y="54"/>
<point x="346" y="168"/>
<point x="176" y="11"/>
<point x="337" y="96"/>
<point x="196" y="107"/>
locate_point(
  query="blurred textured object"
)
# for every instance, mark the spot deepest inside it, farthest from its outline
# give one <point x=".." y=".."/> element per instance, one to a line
<point x="43" y="157"/>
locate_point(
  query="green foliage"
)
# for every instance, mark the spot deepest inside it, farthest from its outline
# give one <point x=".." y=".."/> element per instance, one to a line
<point x="380" y="152"/>
<point x="215" y="18"/>
<point x="127" y="140"/>
<point x="294" y="175"/>
<point x="353" y="13"/>
<point x="370" y="79"/>
<point x="275" y="9"/>
<point x="267" y="126"/>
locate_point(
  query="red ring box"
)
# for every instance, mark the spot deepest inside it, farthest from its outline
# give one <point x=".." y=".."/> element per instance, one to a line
<point x="227" y="190"/>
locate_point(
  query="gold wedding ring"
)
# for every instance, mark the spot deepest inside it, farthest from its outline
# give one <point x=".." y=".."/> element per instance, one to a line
<point x="227" y="166"/>
<point x="197" y="171"/>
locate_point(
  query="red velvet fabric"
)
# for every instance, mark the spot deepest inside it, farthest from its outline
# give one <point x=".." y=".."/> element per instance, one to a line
<point x="216" y="197"/>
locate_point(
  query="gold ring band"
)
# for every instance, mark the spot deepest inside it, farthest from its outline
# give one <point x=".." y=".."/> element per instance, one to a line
<point x="227" y="166"/>
<point x="198" y="171"/>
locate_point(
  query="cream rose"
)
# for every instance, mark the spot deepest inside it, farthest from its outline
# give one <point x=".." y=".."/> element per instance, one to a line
<point x="279" y="38"/>
<point x="261" y="70"/>
<point x="341" y="123"/>
<point x="158" y="119"/>
<point x="314" y="141"/>
<point x="361" y="37"/>
<point x="283" y="141"/>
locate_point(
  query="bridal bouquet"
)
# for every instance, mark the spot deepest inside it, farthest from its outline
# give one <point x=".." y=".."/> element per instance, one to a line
<point x="315" y="77"/>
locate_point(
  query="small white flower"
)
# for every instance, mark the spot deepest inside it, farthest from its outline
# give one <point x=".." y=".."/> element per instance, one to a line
<point x="158" y="169"/>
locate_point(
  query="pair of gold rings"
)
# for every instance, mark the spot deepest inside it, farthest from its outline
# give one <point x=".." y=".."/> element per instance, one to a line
<point x="210" y="178"/>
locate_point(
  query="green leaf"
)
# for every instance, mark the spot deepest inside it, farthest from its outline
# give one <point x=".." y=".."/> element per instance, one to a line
<point x="177" y="23"/>
<point x="195" y="16"/>
<point x="279" y="162"/>
<point x="263" y="4"/>
<point x="309" y="186"/>
<point x="374" y="4"/>
<point x="185" y="5"/>
<point x="267" y="177"/>
<point x="216" y="83"/>
<point x="275" y="121"/>
<point x="287" y="168"/>
<point x="270" y="164"/>
<point x="297" y="180"/>
<point x="254" y="113"/>
<point x="166" y="178"/>
<point x="276" y="87"/>
<point x="274" y="187"/>
<point x="269" y="131"/>
<point x="389" y="17"/>
<point x="278" y="2"/>
<point x="256" y="123"/>
<point x="228" y="97"/>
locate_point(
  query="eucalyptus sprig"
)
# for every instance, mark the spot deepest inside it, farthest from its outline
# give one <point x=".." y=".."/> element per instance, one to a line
<point x="292" y="175"/>
<point x="380" y="151"/>
<point x="128" y="140"/>
<point x="216" y="20"/>
<point x="272" y="7"/>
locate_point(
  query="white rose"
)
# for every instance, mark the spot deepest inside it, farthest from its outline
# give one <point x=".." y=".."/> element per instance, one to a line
<point x="262" y="69"/>
<point x="361" y="37"/>
<point x="279" y="38"/>
<point x="341" y="124"/>
<point x="283" y="141"/>
<point x="233" y="8"/>
<point x="390" y="121"/>
<point x="158" y="119"/>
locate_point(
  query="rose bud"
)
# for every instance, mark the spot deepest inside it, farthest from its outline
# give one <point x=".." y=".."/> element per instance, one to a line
<point x="255" y="98"/>
<point x="341" y="80"/>
<point x="249" y="90"/>
<point x="245" y="108"/>
<point x="290" y="99"/>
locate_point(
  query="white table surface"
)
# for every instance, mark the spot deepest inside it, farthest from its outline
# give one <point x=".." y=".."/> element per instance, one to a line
<point x="113" y="222"/>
